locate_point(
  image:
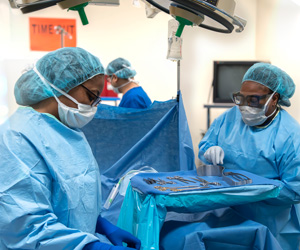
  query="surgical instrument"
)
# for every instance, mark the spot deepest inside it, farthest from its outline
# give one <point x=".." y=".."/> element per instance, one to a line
<point x="179" y="178"/>
<point x="149" y="180"/>
<point x="182" y="188"/>
<point x="239" y="177"/>
<point x="162" y="182"/>
<point x="205" y="182"/>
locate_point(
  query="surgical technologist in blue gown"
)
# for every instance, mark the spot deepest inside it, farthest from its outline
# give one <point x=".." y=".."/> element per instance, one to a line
<point x="50" y="189"/>
<point x="121" y="76"/>
<point x="259" y="136"/>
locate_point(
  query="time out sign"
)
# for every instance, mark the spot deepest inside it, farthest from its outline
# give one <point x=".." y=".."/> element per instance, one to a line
<point x="48" y="34"/>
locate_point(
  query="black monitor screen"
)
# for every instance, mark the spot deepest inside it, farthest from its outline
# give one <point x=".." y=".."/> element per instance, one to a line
<point x="228" y="77"/>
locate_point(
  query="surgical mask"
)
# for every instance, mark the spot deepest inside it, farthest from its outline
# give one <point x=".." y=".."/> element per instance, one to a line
<point x="72" y="117"/>
<point x="116" y="89"/>
<point x="255" y="116"/>
<point x="75" y="118"/>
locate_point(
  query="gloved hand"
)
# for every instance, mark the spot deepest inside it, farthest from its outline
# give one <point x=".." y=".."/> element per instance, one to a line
<point x="116" y="235"/>
<point x="214" y="154"/>
<point x="103" y="246"/>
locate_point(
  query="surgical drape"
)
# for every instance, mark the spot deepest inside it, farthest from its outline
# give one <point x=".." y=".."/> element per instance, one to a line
<point x="124" y="139"/>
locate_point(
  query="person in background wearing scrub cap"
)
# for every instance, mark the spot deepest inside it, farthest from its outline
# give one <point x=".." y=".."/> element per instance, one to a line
<point x="260" y="137"/>
<point x="50" y="188"/>
<point x="121" y="76"/>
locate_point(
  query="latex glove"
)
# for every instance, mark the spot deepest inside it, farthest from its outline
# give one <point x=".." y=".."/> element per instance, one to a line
<point x="116" y="235"/>
<point x="214" y="154"/>
<point x="103" y="246"/>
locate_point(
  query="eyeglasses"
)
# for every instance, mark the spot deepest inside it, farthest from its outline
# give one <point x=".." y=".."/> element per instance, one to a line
<point x="250" y="100"/>
<point x="96" y="100"/>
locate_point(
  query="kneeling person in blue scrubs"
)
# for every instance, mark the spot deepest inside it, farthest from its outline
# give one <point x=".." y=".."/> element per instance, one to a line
<point x="50" y="185"/>
<point x="260" y="137"/>
<point x="121" y="76"/>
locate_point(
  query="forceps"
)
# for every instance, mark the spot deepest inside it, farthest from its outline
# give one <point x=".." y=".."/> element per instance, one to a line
<point x="239" y="177"/>
<point x="205" y="182"/>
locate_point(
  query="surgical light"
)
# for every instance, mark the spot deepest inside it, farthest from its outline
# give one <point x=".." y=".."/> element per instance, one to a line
<point x="215" y="15"/>
<point x="28" y="6"/>
<point x="76" y="5"/>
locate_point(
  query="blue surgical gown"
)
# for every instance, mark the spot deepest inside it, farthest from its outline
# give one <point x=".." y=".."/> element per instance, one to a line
<point x="272" y="152"/>
<point x="50" y="189"/>
<point x="135" y="98"/>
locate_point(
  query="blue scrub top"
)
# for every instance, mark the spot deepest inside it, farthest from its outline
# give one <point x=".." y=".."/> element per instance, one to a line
<point x="50" y="189"/>
<point x="135" y="98"/>
<point x="272" y="152"/>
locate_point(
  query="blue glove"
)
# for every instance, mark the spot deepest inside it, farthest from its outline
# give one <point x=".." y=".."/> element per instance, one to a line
<point x="97" y="246"/>
<point x="116" y="235"/>
<point x="102" y="246"/>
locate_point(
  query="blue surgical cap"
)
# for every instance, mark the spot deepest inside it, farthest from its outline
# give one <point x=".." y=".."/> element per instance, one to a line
<point x="65" y="68"/>
<point x="274" y="78"/>
<point x="121" y="68"/>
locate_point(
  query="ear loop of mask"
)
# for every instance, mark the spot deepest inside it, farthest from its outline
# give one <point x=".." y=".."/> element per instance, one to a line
<point x="124" y="84"/>
<point x="274" y="92"/>
<point x="44" y="80"/>
<point x="276" y="104"/>
<point x="71" y="117"/>
<point x="267" y="104"/>
<point x="274" y="109"/>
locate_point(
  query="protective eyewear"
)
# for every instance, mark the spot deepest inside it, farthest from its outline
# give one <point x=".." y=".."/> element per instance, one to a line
<point x="249" y="100"/>
<point x="96" y="100"/>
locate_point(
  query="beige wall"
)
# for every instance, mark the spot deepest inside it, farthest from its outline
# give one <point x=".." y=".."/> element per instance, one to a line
<point x="272" y="33"/>
<point x="278" y="40"/>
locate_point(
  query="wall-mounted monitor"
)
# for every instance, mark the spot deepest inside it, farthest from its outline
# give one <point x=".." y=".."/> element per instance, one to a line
<point x="227" y="78"/>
